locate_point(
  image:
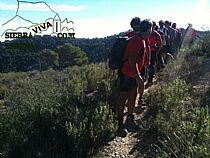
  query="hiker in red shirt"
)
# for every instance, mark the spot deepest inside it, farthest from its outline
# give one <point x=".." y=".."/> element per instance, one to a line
<point x="135" y="25"/>
<point x="177" y="41"/>
<point x="130" y="79"/>
<point x="155" y="46"/>
<point x="144" y="72"/>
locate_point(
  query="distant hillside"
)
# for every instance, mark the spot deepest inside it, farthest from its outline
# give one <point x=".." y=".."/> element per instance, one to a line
<point x="26" y="51"/>
<point x="97" y="49"/>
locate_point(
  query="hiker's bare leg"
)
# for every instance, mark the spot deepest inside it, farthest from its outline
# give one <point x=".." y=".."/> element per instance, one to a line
<point x="121" y="103"/>
<point x="141" y="91"/>
<point x="132" y="100"/>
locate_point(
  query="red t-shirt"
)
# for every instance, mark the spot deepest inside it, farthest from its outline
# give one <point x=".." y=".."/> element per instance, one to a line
<point x="136" y="44"/>
<point x="130" y="34"/>
<point x="146" y="58"/>
<point x="155" y="41"/>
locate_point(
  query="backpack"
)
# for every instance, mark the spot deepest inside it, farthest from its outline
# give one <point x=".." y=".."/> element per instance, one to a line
<point x="164" y="35"/>
<point x="115" y="60"/>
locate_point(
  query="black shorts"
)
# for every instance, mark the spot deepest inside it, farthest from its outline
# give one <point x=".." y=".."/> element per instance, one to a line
<point x="127" y="83"/>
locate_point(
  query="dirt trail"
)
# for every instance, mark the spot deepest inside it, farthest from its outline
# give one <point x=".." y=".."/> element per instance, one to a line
<point x="126" y="147"/>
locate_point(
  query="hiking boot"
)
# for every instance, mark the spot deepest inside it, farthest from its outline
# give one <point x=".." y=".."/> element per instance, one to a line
<point x="130" y="123"/>
<point x="121" y="131"/>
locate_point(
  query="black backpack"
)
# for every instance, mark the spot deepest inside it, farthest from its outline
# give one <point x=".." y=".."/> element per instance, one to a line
<point x="115" y="60"/>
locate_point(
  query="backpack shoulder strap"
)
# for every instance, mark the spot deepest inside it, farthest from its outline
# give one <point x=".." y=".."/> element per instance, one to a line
<point x="156" y="37"/>
<point x="128" y="39"/>
<point x="144" y="43"/>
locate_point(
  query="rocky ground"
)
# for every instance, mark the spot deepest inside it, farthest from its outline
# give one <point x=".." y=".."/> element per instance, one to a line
<point x="125" y="147"/>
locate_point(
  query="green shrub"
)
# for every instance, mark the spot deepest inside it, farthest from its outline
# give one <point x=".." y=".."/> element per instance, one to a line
<point x="202" y="46"/>
<point x="167" y="101"/>
<point x="182" y="131"/>
<point x="47" y="114"/>
<point x="190" y="138"/>
<point x="186" y="66"/>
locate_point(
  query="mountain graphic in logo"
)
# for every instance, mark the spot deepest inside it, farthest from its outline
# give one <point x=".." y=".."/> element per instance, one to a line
<point x="49" y="24"/>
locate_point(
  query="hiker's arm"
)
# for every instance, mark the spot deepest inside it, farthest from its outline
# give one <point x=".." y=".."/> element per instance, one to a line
<point x="132" y="59"/>
<point x="160" y="42"/>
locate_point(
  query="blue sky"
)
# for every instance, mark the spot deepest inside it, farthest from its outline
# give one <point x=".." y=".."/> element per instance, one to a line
<point x="100" y="18"/>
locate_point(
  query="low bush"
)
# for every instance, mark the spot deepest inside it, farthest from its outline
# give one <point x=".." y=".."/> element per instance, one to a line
<point x="182" y="130"/>
<point x="48" y="114"/>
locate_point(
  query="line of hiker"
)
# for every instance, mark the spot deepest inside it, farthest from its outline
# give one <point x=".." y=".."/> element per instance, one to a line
<point x="138" y="56"/>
